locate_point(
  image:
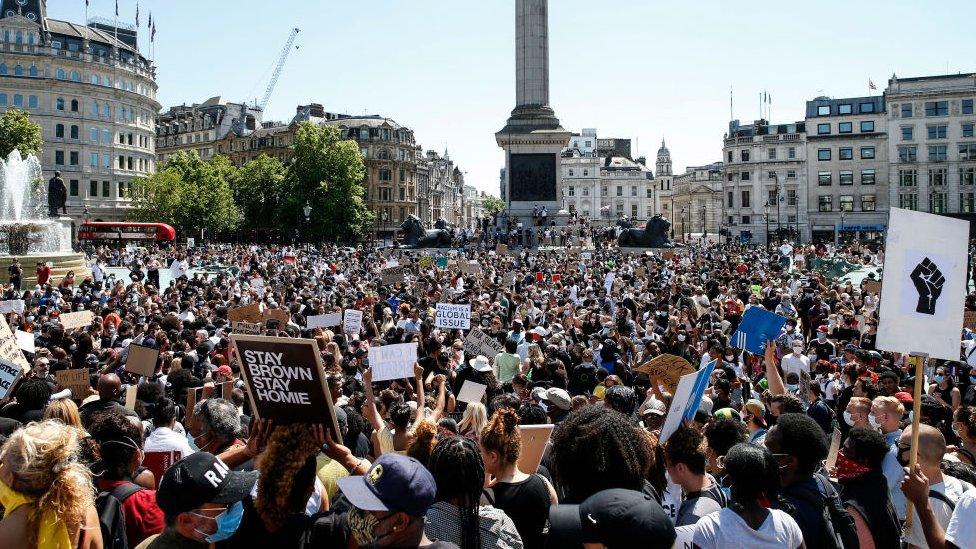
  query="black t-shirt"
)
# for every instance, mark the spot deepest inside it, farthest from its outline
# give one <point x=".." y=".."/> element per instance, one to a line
<point x="527" y="503"/>
<point x="332" y="530"/>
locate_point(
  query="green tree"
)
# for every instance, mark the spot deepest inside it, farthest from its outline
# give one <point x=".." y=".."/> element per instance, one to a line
<point x="17" y="131"/>
<point x="258" y="191"/>
<point x="327" y="173"/>
<point x="493" y="204"/>
<point x="189" y="194"/>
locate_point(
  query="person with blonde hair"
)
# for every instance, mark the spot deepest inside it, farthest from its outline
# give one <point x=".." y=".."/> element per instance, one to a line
<point x="65" y="410"/>
<point x="47" y="496"/>
<point x="473" y="421"/>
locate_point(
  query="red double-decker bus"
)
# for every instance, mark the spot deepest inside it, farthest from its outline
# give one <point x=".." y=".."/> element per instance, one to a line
<point x="124" y="231"/>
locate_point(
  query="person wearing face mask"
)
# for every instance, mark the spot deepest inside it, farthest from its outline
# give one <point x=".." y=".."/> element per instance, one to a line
<point x="857" y="412"/>
<point x="201" y="499"/>
<point x="944" y="389"/>
<point x="824" y="348"/>
<point x="863" y="489"/>
<point x="795" y="362"/>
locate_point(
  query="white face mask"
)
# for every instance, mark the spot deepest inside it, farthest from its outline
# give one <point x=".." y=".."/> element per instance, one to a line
<point x="873" y="421"/>
<point x="681" y="337"/>
<point x="848" y="418"/>
<point x="797" y="350"/>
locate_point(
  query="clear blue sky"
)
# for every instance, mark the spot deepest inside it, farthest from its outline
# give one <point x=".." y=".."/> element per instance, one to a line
<point x="630" y="68"/>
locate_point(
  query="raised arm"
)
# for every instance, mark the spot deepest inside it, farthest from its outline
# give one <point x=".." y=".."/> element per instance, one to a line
<point x="776" y="386"/>
<point x="418" y="376"/>
<point x="372" y="414"/>
<point x="441" y="398"/>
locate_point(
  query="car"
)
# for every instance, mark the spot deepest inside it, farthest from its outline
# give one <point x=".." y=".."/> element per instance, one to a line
<point x="856" y="276"/>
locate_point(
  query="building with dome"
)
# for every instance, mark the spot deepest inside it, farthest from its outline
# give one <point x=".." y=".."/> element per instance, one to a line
<point x="93" y="94"/>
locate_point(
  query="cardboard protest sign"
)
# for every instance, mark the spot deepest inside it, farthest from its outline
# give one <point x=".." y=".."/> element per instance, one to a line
<point x="12" y="306"/>
<point x="471" y="391"/>
<point x="10" y="349"/>
<point x="392" y="361"/>
<point x="141" y="360"/>
<point x="191" y="398"/>
<point x="667" y="255"/>
<point x="969" y="320"/>
<point x="253" y="328"/>
<point x="834" y="449"/>
<point x="25" y="340"/>
<point x="249" y="313"/>
<point x="687" y="398"/>
<point x="281" y="315"/>
<point x="453" y="316"/>
<point x="480" y="343"/>
<point x="501" y="249"/>
<point x="9" y="375"/>
<point x="323" y="321"/>
<point x="425" y="261"/>
<point x="80" y="319"/>
<point x="392" y="275"/>
<point x="924" y="290"/>
<point x="352" y="321"/>
<point x="471" y="268"/>
<point x="130" y="397"/>
<point x="871" y="287"/>
<point x="757" y="327"/>
<point x="285" y="380"/>
<point x="533" y="446"/>
<point x="556" y="277"/>
<point x="76" y="380"/>
<point x="668" y="369"/>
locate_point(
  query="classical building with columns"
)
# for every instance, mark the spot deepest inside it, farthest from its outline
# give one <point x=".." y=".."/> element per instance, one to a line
<point x="696" y="201"/>
<point x="92" y="93"/>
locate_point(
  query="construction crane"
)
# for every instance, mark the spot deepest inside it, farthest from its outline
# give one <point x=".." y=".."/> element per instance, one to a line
<point x="278" y="68"/>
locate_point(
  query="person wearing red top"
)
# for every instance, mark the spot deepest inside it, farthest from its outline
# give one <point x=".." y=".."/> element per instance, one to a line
<point x="43" y="274"/>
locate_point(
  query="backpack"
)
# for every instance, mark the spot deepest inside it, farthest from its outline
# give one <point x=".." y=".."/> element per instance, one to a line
<point x="110" y="518"/>
<point x="839" y="530"/>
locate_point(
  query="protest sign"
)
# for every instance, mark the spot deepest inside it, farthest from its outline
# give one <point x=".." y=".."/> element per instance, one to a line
<point x="191" y="397"/>
<point x="392" y="361"/>
<point x="969" y="320"/>
<point x="249" y="313"/>
<point x="471" y="268"/>
<point x="586" y="256"/>
<point x="442" y="262"/>
<point x="480" y="343"/>
<point x="253" y="328"/>
<point x="687" y="398"/>
<point x="540" y="277"/>
<point x="141" y="360"/>
<point x="834" y="449"/>
<point x="76" y="380"/>
<point x="871" y="287"/>
<point x="757" y="327"/>
<point x="285" y="380"/>
<point x="425" y="261"/>
<point x="130" y="397"/>
<point x="25" y="340"/>
<point x="501" y="249"/>
<point x="10" y="349"/>
<point x="323" y="321"/>
<point x="280" y="315"/>
<point x="10" y="372"/>
<point x="533" y="446"/>
<point x="80" y="319"/>
<point x="191" y="242"/>
<point x="471" y="391"/>
<point x="668" y="369"/>
<point x="226" y="390"/>
<point x="924" y="290"/>
<point x="393" y="275"/>
<point x="258" y="284"/>
<point x="12" y="306"/>
<point x="352" y="321"/>
<point x="453" y="316"/>
<point x="556" y="277"/>
<point x="509" y="279"/>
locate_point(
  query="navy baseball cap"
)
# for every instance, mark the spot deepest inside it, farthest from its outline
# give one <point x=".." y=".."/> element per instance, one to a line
<point x="616" y="518"/>
<point x="393" y="483"/>
<point x="201" y="478"/>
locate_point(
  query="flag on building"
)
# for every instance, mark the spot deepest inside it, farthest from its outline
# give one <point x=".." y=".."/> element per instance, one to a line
<point x="137" y="14"/>
<point x="149" y="25"/>
<point x="116" y="8"/>
<point x="871" y="85"/>
<point x="152" y="35"/>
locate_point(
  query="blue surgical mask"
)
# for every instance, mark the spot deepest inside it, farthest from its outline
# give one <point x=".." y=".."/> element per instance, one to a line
<point x="227" y="523"/>
<point x="938" y="379"/>
<point x="791" y="387"/>
<point x="192" y="442"/>
<point x="972" y="379"/>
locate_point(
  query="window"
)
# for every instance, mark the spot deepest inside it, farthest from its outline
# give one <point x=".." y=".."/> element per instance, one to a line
<point x="59" y="104"/>
<point x="745" y="198"/>
<point x="937" y="132"/>
<point x="59" y="131"/>
<point x="937" y="153"/>
<point x="867" y="152"/>
<point x="823" y="154"/>
<point x="791" y="197"/>
<point x="74" y="132"/>
<point x="791" y="152"/>
<point x="908" y="153"/>
<point x="845" y="153"/>
<point x="729" y="202"/>
<point x="823" y="110"/>
<point x="967" y="130"/>
<point x="106" y="136"/>
<point x="633" y="210"/>
<point x="790" y="174"/>
<point x="825" y="203"/>
<point x="74" y="105"/>
<point x="121" y="186"/>
<point x="73" y="187"/>
<point x="650" y="192"/>
<point x="572" y="191"/>
<point x="730" y="157"/>
<point x="93" y="135"/>
<point x="846" y="203"/>
<point x="73" y="158"/>
<point x="620" y="190"/>
<point x="823" y="129"/>
<point x="907" y="133"/>
<point x="967" y="176"/>
<point x="59" y="158"/>
<point x="771" y="174"/>
<point x="936" y="108"/>
<point x="845" y="127"/>
<point x="745" y="176"/>
<point x="3" y="100"/>
<point x="571" y="172"/>
<point x="846" y="108"/>
<point x="824" y="179"/>
<point x="906" y="110"/>
<point x="32" y="101"/>
<point x="908" y="178"/>
<point x="967" y="151"/>
<point x="867" y="126"/>
<point x="603" y="191"/>
<point x="385" y="175"/>
<point x="403" y="174"/>
<point x="967" y="203"/>
<point x="938" y="177"/>
<point x="908" y="201"/>
<point x="746" y="220"/>
<point x="730" y="176"/>
<point x="938" y="202"/>
<point x="867" y="177"/>
<point x="106" y="160"/>
<point x="60" y="74"/>
<point x="93" y="188"/>
<point x="744" y="155"/>
<point x="93" y="160"/>
<point x="586" y="191"/>
<point x="105" y="188"/>
<point x="18" y="70"/>
<point x="633" y="190"/>
<point x="867" y="203"/>
<point x="771" y="196"/>
<point x="18" y="100"/>
<point x="772" y="154"/>
<point x="967" y="106"/>
<point x="845" y="177"/>
<point x="866" y="107"/>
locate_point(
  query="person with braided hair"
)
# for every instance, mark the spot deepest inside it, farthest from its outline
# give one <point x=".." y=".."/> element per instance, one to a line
<point x="457" y="515"/>
<point x="524" y="497"/>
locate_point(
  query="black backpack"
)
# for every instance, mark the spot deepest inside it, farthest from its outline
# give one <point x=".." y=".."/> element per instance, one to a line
<point x="839" y="530"/>
<point x="110" y="518"/>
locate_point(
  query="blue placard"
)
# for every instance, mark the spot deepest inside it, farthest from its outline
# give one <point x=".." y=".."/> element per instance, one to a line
<point x="701" y="383"/>
<point x="757" y="327"/>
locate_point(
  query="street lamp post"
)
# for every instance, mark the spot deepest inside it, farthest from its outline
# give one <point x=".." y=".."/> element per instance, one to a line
<point x="307" y="210"/>
<point x="385" y="217"/>
<point x="683" y="238"/>
<point x="779" y="227"/>
<point x="766" y="215"/>
<point x="843" y="216"/>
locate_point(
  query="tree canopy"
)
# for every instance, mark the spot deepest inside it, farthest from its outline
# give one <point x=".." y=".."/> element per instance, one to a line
<point x="17" y="131"/>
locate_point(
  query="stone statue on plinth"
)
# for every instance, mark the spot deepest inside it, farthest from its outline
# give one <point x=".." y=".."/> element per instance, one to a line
<point x="57" y="196"/>
<point x="653" y="235"/>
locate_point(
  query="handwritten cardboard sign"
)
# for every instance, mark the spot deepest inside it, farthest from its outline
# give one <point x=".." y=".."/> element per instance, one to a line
<point x="25" y="340"/>
<point x="393" y="275"/>
<point x="248" y="313"/>
<point x="12" y="306"/>
<point x="533" y="446"/>
<point x="871" y="287"/>
<point x="668" y="369"/>
<point x="141" y="360"/>
<point x="392" y="361"/>
<point x="252" y="328"/>
<point x="969" y="320"/>
<point x="501" y="249"/>
<point x="76" y="380"/>
<point x="453" y="316"/>
<point x="9" y="375"/>
<point x="79" y="319"/>
<point x="130" y="397"/>
<point x="471" y="268"/>
<point x="352" y="321"/>
<point x="323" y="321"/>
<point x="280" y="315"/>
<point x="10" y="348"/>
<point x="285" y="380"/>
<point x="479" y="343"/>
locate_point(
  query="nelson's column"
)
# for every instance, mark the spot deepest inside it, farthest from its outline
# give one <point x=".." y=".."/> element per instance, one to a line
<point x="532" y="137"/>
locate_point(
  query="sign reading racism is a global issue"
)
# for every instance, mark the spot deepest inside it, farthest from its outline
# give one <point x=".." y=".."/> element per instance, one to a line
<point x="453" y="316"/>
<point x="285" y="380"/>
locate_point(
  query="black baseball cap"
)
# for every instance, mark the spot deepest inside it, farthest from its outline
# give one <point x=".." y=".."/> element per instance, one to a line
<point x="392" y="483"/>
<point x="616" y="518"/>
<point x="201" y="478"/>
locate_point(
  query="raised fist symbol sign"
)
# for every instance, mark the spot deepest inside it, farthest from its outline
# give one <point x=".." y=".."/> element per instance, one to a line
<point x="928" y="282"/>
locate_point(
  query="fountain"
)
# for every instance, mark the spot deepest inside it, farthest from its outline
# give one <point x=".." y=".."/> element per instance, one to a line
<point x="25" y="229"/>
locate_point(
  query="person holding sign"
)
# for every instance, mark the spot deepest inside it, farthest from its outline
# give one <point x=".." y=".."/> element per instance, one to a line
<point x="395" y="439"/>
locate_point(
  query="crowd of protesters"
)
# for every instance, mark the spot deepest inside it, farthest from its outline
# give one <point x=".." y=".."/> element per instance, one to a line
<point x="417" y="467"/>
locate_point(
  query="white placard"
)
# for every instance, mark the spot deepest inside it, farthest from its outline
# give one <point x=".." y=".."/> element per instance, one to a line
<point x="191" y="243"/>
<point x="471" y="391"/>
<point x="924" y="290"/>
<point x="12" y="306"/>
<point x="9" y="373"/>
<point x="586" y="256"/>
<point x="25" y="340"/>
<point x="453" y="316"/>
<point x="392" y="361"/>
<point x="352" y="321"/>
<point x="480" y="343"/>
<point x="79" y="319"/>
<point x="323" y="321"/>
<point x="258" y="285"/>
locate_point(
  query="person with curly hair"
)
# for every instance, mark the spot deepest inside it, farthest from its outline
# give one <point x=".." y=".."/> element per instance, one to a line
<point x="47" y="496"/>
<point x="523" y="497"/>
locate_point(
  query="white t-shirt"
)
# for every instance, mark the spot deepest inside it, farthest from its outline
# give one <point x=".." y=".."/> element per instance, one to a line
<point x="962" y="532"/>
<point x="953" y="488"/>
<point x="797" y="364"/>
<point x="164" y="439"/>
<point x="727" y="529"/>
